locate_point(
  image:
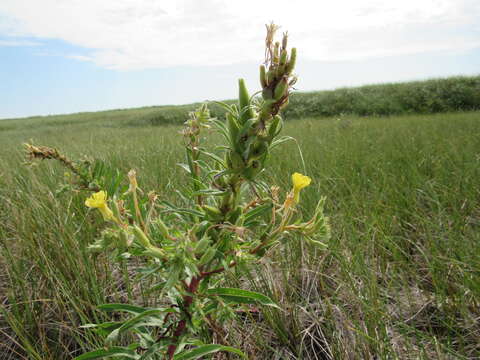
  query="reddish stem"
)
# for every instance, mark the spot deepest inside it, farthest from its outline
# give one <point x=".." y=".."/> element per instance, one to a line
<point x="182" y="324"/>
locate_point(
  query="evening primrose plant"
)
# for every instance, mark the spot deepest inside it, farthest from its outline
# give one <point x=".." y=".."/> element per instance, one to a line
<point x="229" y="219"/>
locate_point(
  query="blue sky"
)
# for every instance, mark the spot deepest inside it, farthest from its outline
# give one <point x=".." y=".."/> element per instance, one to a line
<point x="73" y="56"/>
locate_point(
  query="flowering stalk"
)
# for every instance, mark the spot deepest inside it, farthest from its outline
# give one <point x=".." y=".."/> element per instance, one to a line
<point x="233" y="219"/>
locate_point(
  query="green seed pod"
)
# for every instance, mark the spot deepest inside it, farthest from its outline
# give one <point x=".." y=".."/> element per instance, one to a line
<point x="276" y="52"/>
<point x="212" y="212"/>
<point x="249" y="124"/>
<point x="268" y="105"/>
<point x="202" y="227"/>
<point x="236" y="161"/>
<point x="253" y="170"/>
<point x="123" y="236"/>
<point x="267" y="93"/>
<point x="292" y="61"/>
<point x="115" y="209"/>
<point x="280" y="71"/>
<point x="257" y="150"/>
<point x="281" y="89"/>
<point x="141" y="237"/>
<point x="155" y="252"/>
<point x="283" y="57"/>
<point x="263" y="77"/>
<point x="208" y="256"/>
<point x="202" y="245"/>
<point x="246" y="111"/>
<point x="271" y="74"/>
<point x="162" y="228"/>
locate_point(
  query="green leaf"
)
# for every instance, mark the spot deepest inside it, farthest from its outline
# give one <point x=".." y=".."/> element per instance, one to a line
<point x="136" y="320"/>
<point x="104" y="328"/>
<point x="211" y="192"/>
<point x="185" y="167"/>
<point x="281" y="141"/>
<point x="213" y="157"/>
<point x="123" y="307"/>
<point x="258" y="211"/>
<point x="153" y="349"/>
<point x="205" y="350"/>
<point x="241" y="296"/>
<point x="222" y="129"/>
<point x="112" y="352"/>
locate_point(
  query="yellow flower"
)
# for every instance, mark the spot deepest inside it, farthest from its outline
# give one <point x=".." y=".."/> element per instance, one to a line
<point x="99" y="201"/>
<point x="299" y="182"/>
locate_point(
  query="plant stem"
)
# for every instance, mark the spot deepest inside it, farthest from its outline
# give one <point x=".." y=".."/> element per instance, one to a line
<point x="182" y="324"/>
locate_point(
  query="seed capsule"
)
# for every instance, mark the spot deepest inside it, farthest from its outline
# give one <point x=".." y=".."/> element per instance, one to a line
<point x="281" y="89"/>
<point x="246" y="111"/>
<point x="291" y="63"/>
<point x="253" y="170"/>
<point x="202" y="245"/>
<point x="257" y="150"/>
<point x="141" y="237"/>
<point x="212" y="212"/>
<point x="156" y="252"/>
<point x="283" y="57"/>
<point x="276" y="52"/>
<point x="162" y="228"/>
<point x="236" y="161"/>
<point x="208" y="256"/>
<point x="263" y="77"/>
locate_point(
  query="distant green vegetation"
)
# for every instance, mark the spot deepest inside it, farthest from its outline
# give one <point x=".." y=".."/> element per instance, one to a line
<point x="399" y="280"/>
<point x="419" y="97"/>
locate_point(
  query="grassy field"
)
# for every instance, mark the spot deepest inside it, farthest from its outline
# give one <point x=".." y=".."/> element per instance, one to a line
<point x="400" y="278"/>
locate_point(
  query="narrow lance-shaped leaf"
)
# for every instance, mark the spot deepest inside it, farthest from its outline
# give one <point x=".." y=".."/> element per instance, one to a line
<point x="241" y="296"/>
<point x="112" y="352"/>
<point x="205" y="350"/>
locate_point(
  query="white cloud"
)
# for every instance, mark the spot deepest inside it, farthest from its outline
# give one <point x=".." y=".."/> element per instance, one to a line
<point x="138" y="34"/>
<point x="79" y="57"/>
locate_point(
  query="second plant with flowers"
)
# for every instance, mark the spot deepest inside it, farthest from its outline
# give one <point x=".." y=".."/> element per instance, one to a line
<point x="232" y="218"/>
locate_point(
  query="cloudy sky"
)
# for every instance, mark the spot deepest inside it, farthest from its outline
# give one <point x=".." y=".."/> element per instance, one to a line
<point x="83" y="55"/>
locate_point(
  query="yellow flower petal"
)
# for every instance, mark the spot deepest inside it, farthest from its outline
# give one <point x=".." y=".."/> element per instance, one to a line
<point x="97" y="200"/>
<point x="299" y="182"/>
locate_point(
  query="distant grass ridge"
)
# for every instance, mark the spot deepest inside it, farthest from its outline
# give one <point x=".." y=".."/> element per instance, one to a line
<point x="459" y="93"/>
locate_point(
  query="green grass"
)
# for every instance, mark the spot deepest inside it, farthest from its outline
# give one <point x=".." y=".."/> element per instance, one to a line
<point x="400" y="278"/>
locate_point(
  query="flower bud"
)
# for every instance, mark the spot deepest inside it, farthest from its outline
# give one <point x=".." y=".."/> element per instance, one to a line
<point x="141" y="237"/>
